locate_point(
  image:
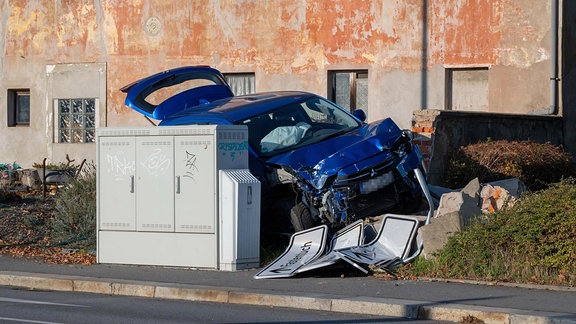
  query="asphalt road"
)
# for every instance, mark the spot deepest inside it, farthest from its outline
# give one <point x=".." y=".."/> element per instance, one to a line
<point x="34" y="306"/>
<point x="326" y="291"/>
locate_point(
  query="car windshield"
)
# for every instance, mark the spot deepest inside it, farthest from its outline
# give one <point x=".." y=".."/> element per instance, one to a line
<point x="296" y="125"/>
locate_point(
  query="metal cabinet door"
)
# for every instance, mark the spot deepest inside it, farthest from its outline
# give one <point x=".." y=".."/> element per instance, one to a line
<point x="154" y="183"/>
<point x="195" y="178"/>
<point x="116" y="171"/>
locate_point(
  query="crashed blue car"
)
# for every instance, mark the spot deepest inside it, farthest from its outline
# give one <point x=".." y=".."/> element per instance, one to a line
<point x="317" y="163"/>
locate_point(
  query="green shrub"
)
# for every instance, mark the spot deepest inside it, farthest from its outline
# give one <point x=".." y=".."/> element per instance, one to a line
<point x="533" y="241"/>
<point x="74" y="223"/>
<point x="537" y="165"/>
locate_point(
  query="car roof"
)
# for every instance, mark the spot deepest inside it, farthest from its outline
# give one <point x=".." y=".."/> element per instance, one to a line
<point x="235" y="109"/>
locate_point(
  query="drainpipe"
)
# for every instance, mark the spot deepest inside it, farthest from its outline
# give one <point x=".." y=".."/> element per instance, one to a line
<point x="554" y="79"/>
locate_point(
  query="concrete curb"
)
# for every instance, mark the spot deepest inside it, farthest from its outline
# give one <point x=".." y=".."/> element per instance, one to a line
<point x="357" y="305"/>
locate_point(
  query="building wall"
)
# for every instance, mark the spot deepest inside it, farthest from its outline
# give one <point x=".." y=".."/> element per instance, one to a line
<point x="406" y="47"/>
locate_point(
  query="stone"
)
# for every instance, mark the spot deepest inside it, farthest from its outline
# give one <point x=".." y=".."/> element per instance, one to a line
<point x="458" y="209"/>
<point x="30" y="178"/>
<point x="436" y="234"/>
<point x="501" y="194"/>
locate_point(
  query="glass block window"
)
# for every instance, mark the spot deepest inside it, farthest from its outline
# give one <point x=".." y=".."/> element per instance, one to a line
<point x="18" y="107"/>
<point x="76" y="120"/>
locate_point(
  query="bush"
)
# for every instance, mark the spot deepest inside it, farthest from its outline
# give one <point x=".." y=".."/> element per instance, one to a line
<point x="537" y="165"/>
<point x="6" y="196"/>
<point x="74" y="224"/>
<point x="533" y="242"/>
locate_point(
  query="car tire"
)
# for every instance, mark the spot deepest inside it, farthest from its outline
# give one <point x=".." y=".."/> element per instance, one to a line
<point x="301" y="217"/>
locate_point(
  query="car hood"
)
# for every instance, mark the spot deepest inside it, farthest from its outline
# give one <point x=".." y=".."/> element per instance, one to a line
<point x="348" y="153"/>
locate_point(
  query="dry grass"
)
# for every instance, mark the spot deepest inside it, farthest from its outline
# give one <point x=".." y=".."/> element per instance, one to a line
<point x="536" y="164"/>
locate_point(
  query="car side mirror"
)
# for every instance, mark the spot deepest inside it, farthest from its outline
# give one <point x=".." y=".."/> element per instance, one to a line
<point x="360" y="114"/>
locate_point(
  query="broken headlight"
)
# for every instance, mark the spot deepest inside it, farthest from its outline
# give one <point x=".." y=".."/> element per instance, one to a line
<point x="403" y="144"/>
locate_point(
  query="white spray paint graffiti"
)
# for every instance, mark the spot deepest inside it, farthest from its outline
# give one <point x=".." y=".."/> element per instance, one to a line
<point x="157" y="163"/>
<point x="119" y="166"/>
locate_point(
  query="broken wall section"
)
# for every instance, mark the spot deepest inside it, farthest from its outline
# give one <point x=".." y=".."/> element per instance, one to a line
<point x="438" y="133"/>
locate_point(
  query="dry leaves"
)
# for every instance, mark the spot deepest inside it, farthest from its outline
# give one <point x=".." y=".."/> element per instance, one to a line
<point x="24" y="232"/>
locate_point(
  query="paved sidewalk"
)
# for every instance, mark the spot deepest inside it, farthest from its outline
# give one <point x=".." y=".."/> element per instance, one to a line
<point x="424" y="299"/>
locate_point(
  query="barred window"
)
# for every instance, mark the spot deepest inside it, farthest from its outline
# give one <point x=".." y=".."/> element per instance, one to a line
<point x="76" y="120"/>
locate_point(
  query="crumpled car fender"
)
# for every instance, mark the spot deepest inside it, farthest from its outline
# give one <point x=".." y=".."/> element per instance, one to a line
<point x="316" y="163"/>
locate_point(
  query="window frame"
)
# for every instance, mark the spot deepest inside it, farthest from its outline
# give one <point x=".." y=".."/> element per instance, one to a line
<point x="252" y="75"/>
<point x="354" y="75"/>
<point x="14" y="107"/>
<point x="449" y="71"/>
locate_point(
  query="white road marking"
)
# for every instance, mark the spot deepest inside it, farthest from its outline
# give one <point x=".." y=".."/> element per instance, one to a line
<point x="26" y="301"/>
<point x="25" y="321"/>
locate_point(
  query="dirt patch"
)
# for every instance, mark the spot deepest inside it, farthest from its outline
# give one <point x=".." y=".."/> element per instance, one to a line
<point x="25" y="231"/>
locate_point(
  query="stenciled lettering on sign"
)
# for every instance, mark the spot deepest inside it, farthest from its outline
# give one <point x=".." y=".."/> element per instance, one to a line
<point x="304" y="249"/>
<point x="119" y="166"/>
<point x="232" y="148"/>
<point x="157" y="163"/>
<point x="190" y="165"/>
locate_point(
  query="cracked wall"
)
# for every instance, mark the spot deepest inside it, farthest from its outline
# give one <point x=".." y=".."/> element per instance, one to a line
<point x="289" y="45"/>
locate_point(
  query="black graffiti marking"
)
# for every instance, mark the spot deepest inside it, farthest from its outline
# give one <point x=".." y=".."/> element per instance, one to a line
<point x="190" y="161"/>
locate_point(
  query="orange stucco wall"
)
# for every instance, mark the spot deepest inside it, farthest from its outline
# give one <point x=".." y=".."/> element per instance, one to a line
<point x="289" y="45"/>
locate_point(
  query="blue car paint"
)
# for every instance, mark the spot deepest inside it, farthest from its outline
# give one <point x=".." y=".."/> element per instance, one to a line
<point x="137" y="92"/>
<point x="235" y="109"/>
<point x="317" y="162"/>
<point x="318" y="166"/>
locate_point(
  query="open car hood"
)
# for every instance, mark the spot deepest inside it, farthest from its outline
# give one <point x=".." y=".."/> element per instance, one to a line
<point x="207" y="85"/>
<point x="346" y="154"/>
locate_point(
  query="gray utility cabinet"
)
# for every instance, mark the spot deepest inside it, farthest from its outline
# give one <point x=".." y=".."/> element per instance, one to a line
<point x="157" y="192"/>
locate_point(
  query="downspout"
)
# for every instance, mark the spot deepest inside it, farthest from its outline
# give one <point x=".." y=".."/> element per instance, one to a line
<point x="554" y="79"/>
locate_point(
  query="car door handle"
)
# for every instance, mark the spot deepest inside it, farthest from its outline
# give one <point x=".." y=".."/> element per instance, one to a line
<point x="177" y="184"/>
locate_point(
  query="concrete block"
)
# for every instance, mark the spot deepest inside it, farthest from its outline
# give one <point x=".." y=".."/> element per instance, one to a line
<point x="436" y="234"/>
<point x="137" y="290"/>
<point x="472" y="189"/>
<point x="501" y="194"/>
<point x="377" y="307"/>
<point x="90" y="286"/>
<point x="200" y="294"/>
<point x="302" y="302"/>
<point x="514" y="186"/>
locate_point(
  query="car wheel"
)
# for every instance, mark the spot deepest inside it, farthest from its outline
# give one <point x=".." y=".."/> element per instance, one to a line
<point x="301" y="217"/>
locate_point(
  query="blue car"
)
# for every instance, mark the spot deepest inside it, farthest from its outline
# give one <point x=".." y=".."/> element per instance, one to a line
<point x="317" y="163"/>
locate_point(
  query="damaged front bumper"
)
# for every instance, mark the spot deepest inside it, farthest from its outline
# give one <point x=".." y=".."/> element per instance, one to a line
<point x="392" y="246"/>
<point x="351" y="194"/>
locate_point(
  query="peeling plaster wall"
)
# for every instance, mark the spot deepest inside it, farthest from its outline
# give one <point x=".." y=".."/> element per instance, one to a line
<point x="289" y="45"/>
